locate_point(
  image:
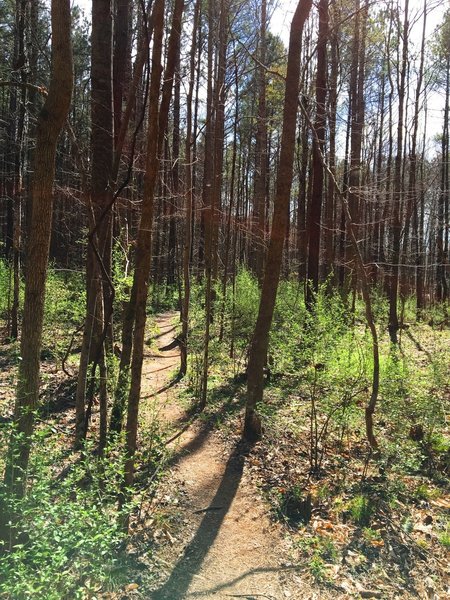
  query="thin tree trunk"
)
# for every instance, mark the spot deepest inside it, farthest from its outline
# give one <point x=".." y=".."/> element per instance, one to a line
<point x="99" y="298"/>
<point x="189" y="192"/>
<point x="260" y="341"/>
<point x="315" y="212"/>
<point x="259" y="202"/>
<point x="441" y="287"/>
<point x="213" y="206"/>
<point x="371" y="405"/>
<point x="330" y="225"/>
<point x="397" y="196"/>
<point x="413" y="192"/>
<point x="158" y="116"/>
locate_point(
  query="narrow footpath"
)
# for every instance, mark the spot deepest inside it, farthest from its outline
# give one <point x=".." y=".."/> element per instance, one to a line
<point x="231" y="548"/>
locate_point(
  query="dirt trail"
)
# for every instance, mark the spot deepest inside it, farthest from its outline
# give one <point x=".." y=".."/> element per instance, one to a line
<point x="231" y="548"/>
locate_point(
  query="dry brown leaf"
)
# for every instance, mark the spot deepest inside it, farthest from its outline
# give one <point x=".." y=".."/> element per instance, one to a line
<point x="442" y="502"/>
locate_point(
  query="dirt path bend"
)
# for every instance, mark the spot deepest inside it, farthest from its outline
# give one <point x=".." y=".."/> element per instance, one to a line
<point x="231" y="549"/>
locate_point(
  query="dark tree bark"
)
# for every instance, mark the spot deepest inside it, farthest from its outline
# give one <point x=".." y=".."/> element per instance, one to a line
<point x="99" y="299"/>
<point x="158" y="116"/>
<point x="121" y="52"/>
<point x="260" y="341"/>
<point x="214" y="192"/>
<point x="189" y="193"/>
<point x="315" y="211"/>
<point x="138" y="300"/>
<point x="50" y="122"/>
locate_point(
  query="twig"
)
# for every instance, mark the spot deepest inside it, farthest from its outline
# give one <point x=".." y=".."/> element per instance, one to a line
<point x="35" y="88"/>
<point x="69" y="348"/>
<point x="410" y="537"/>
<point x="250" y="596"/>
<point x="207" y="509"/>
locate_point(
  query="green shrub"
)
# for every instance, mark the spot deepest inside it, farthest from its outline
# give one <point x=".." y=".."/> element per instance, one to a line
<point x="70" y="528"/>
<point x="4" y="288"/>
<point x="444" y="537"/>
<point x="361" y="510"/>
<point x="64" y="299"/>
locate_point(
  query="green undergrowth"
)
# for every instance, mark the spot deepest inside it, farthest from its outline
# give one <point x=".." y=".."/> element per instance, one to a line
<point x="71" y="541"/>
<point x="320" y="369"/>
<point x="336" y="496"/>
<point x="69" y="532"/>
<point x="313" y="465"/>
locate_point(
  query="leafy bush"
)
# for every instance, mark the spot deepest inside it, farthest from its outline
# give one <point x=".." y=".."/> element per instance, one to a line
<point x="64" y="299"/>
<point x="4" y="288"/>
<point x="70" y="527"/>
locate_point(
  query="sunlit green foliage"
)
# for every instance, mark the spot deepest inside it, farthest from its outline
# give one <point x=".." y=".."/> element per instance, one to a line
<point x="70" y="529"/>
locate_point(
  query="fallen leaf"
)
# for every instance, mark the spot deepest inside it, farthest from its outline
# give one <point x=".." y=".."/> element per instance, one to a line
<point x="422" y="528"/>
<point x="442" y="502"/>
<point x="131" y="586"/>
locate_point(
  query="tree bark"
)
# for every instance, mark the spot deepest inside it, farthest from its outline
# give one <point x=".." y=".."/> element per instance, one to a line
<point x="259" y="202"/>
<point x="315" y="212"/>
<point x="50" y="122"/>
<point x="397" y="195"/>
<point x="158" y="115"/>
<point x="260" y="341"/>
<point x="189" y="193"/>
<point x="98" y="298"/>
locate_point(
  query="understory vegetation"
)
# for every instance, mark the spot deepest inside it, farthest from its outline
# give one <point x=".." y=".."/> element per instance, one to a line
<point x="345" y="508"/>
<point x="224" y="299"/>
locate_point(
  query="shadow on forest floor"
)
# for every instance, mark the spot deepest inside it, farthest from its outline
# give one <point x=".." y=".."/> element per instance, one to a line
<point x="191" y="562"/>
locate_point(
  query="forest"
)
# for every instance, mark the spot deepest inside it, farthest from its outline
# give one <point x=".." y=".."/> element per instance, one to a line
<point x="224" y="299"/>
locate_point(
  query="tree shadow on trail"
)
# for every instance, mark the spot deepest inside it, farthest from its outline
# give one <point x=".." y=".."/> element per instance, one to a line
<point x="251" y="572"/>
<point x="224" y="401"/>
<point x="195" y="553"/>
<point x="165" y="387"/>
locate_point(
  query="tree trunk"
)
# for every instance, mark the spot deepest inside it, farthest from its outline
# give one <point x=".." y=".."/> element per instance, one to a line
<point x="158" y="115"/>
<point x="315" y="211"/>
<point x="50" y="122"/>
<point x="213" y="204"/>
<point x="259" y="202"/>
<point x="98" y="299"/>
<point x="189" y="192"/>
<point x="397" y="195"/>
<point x="442" y="288"/>
<point x="260" y="341"/>
<point x="329" y="233"/>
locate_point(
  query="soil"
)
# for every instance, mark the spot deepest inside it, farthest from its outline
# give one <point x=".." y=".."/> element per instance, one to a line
<point x="230" y="546"/>
<point x="210" y="527"/>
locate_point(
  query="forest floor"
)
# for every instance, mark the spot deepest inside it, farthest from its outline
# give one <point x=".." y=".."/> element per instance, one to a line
<point x="216" y="529"/>
<point x="224" y="544"/>
<point x="217" y="518"/>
